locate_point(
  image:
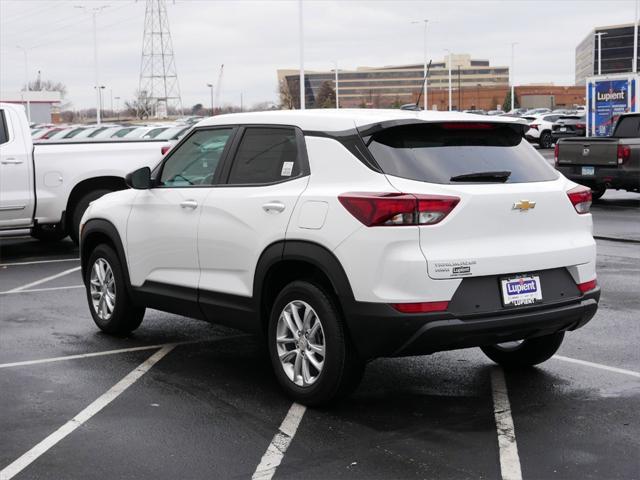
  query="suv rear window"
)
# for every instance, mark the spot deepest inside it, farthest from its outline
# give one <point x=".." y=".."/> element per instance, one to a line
<point x="436" y="152"/>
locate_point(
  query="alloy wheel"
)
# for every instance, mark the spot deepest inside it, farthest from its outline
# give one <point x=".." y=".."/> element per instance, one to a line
<point x="300" y="343"/>
<point x="103" y="289"/>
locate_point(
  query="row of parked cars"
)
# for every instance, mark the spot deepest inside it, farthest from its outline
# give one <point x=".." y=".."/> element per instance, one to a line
<point x="111" y="131"/>
<point x="546" y="126"/>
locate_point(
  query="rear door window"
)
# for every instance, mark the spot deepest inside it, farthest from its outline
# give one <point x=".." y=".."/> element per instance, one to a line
<point x="438" y="152"/>
<point x="265" y="155"/>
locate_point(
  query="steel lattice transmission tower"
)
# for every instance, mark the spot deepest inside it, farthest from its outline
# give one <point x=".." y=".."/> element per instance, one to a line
<point x="158" y="88"/>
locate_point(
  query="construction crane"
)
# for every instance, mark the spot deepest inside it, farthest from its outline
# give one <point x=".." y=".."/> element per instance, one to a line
<point x="217" y="95"/>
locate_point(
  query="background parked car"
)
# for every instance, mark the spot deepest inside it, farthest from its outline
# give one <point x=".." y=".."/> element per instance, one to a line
<point x="536" y="111"/>
<point x="173" y="133"/>
<point x="569" y="126"/>
<point x="540" y="129"/>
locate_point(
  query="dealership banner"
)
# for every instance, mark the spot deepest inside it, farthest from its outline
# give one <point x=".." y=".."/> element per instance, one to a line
<point x="611" y="98"/>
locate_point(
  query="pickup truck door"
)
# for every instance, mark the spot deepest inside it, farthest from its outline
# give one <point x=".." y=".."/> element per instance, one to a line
<point x="16" y="177"/>
<point x="162" y="229"/>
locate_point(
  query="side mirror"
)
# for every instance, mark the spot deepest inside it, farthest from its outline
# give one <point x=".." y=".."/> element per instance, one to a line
<point x="139" y="179"/>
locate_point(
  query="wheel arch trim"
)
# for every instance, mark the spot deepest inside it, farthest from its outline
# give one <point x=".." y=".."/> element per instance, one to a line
<point x="303" y="251"/>
<point x="100" y="226"/>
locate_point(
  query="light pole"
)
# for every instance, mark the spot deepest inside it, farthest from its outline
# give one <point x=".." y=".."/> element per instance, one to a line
<point x="424" y="83"/>
<point x="337" y="88"/>
<point x="449" y="65"/>
<point x="94" y="13"/>
<point x="26" y="81"/>
<point x="117" y="99"/>
<point x="210" y="85"/>
<point x="99" y="111"/>
<point x="301" y="26"/>
<point x="635" y="42"/>
<point x="599" y="35"/>
<point x="513" y="70"/>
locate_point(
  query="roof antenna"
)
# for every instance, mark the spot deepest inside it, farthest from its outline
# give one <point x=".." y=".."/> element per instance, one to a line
<point x="426" y="75"/>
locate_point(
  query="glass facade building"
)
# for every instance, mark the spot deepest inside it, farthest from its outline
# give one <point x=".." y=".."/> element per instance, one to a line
<point x="394" y="85"/>
<point x="617" y="52"/>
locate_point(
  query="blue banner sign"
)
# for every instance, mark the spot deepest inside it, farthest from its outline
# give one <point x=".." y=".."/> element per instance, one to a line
<point x="611" y="100"/>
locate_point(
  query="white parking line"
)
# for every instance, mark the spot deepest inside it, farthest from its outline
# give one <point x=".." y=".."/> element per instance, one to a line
<point x="120" y="350"/>
<point x="48" y="289"/>
<point x="281" y="441"/>
<point x="598" y="365"/>
<point x="509" y="458"/>
<point x="43" y="280"/>
<point x="84" y="355"/>
<point x="37" y="262"/>
<point x="105" y="399"/>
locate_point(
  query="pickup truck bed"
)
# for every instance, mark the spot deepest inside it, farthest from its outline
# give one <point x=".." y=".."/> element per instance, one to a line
<point x="47" y="187"/>
<point x="603" y="162"/>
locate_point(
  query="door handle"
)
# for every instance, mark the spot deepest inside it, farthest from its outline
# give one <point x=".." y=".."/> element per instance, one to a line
<point x="274" y="207"/>
<point x="192" y="204"/>
<point x="11" y="161"/>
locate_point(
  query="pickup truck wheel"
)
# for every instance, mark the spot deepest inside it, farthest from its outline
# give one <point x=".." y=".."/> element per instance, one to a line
<point x="109" y="302"/>
<point x="598" y="191"/>
<point x="525" y="353"/>
<point x="78" y="211"/>
<point x="309" y="348"/>
<point x="52" y="234"/>
<point x="546" y="140"/>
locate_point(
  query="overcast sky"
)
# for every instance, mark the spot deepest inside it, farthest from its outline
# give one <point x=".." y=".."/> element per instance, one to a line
<point x="255" y="38"/>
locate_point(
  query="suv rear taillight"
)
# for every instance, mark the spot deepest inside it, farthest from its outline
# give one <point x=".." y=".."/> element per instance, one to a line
<point x="534" y="126"/>
<point x="587" y="286"/>
<point x="556" y="150"/>
<point x="581" y="125"/>
<point x="580" y="198"/>
<point x="164" y="149"/>
<point x="624" y="153"/>
<point x="397" y="209"/>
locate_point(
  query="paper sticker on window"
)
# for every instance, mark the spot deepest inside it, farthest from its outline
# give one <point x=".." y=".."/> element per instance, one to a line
<point x="287" y="168"/>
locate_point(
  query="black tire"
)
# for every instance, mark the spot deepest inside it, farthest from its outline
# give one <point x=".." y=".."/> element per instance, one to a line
<point x="342" y="369"/>
<point x="526" y="354"/>
<point x="546" y="140"/>
<point x="50" y="233"/>
<point x="78" y="211"/>
<point x="598" y="191"/>
<point x="125" y="316"/>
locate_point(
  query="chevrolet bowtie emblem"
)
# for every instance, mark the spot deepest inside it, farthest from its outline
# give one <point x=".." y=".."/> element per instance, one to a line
<point x="524" y="205"/>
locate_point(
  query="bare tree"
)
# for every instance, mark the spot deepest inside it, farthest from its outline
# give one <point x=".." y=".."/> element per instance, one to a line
<point x="289" y="93"/>
<point x="326" y="97"/>
<point x="141" y="106"/>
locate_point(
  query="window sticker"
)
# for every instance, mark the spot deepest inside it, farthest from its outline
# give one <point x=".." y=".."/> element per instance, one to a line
<point x="287" y="168"/>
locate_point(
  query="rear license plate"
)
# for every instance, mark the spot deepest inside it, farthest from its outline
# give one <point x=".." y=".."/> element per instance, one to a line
<point x="588" y="170"/>
<point x="563" y="129"/>
<point x="518" y="291"/>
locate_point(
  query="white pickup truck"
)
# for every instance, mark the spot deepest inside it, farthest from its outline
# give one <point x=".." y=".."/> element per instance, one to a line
<point x="47" y="187"/>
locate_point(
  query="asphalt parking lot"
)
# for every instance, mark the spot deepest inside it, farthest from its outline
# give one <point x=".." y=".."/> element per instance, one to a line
<point x="185" y="399"/>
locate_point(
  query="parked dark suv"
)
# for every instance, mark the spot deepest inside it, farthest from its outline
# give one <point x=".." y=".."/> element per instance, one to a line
<point x="569" y="126"/>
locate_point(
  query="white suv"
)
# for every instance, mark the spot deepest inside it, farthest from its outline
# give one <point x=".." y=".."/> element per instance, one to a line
<point x="540" y="127"/>
<point x="345" y="235"/>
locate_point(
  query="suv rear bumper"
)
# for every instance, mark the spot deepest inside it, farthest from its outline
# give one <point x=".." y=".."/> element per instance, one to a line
<point x="378" y="330"/>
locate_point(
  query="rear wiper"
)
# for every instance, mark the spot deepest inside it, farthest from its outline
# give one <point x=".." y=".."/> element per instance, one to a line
<point x="482" y="177"/>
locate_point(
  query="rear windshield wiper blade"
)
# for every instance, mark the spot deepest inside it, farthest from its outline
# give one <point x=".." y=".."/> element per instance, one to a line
<point x="482" y="177"/>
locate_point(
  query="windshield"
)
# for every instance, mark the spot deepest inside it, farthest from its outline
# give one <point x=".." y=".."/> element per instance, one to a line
<point x="441" y="153"/>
